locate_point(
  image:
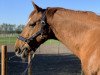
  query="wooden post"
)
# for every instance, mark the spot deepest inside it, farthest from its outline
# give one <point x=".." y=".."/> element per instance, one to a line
<point x="30" y="67"/>
<point x="4" y="60"/>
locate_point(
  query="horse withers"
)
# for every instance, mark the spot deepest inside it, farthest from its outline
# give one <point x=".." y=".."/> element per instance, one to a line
<point x="77" y="30"/>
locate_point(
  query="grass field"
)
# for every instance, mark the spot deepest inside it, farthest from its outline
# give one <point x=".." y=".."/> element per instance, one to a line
<point x="10" y="39"/>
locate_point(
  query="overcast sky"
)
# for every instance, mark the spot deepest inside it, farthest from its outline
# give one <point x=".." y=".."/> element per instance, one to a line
<point x="17" y="11"/>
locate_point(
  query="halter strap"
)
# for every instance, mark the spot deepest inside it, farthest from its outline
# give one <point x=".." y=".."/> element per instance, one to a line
<point x="29" y="39"/>
<point x="43" y="23"/>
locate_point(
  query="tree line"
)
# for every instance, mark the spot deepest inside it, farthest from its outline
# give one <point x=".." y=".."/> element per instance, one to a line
<point x="10" y="28"/>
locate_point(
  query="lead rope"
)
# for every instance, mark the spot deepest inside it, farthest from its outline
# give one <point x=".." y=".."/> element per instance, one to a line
<point x="11" y="57"/>
<point x="9" y="60"/>
<point x="24" y="73"/>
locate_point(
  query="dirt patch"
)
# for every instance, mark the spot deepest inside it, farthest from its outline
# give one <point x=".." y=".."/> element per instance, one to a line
<point x="46" y="49"/>
<point x="46" y="65"/>
<point x="49" y="60"/>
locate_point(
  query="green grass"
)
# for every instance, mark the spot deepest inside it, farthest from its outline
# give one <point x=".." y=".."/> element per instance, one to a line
<point x="52" y="42"/>
<point x="12" y="39"/>
<point x="7" y="40"/>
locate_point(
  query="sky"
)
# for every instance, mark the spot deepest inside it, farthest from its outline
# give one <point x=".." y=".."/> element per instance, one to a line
<point x="17" y="11"/>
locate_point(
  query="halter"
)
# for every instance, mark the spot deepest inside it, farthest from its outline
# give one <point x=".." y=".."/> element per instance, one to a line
<point x="43" y="23"/>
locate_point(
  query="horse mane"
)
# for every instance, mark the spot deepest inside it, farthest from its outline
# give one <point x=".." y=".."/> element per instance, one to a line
<point x="52" y="10"/>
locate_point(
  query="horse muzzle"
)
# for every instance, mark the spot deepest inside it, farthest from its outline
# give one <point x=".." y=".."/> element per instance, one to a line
<point x="23" y="53"/>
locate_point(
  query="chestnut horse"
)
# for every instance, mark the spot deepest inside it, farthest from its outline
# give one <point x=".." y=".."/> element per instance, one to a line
<point x="77" y="30"/>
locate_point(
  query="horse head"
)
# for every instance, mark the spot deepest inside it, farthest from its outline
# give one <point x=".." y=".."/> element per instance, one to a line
<point x="36" y="32"/>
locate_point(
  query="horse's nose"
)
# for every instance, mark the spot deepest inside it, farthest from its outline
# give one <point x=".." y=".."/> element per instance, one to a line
<point x="18" y="51"/>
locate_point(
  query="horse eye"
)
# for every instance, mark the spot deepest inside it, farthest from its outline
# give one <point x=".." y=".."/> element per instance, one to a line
<point x="32" y="25"/>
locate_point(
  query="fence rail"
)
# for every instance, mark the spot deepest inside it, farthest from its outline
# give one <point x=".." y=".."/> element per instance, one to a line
<point x="4" y="61"/>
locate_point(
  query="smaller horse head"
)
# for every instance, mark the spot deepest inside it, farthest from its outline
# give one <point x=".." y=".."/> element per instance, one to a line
<point x="36" y="32"/>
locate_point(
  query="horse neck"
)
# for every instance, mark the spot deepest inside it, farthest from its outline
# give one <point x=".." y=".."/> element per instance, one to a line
<point x="68" y="32"/>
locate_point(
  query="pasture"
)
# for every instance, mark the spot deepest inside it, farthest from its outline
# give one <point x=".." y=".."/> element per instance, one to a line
<point x="11" y="38"/>
<point x="7" y="38"/>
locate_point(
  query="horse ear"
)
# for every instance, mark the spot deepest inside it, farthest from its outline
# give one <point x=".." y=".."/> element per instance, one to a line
<point x="37" y="8"/>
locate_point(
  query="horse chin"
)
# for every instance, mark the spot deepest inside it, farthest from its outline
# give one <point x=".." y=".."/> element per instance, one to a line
<point x="18" y="54"/>
<point x="25" y="53"/>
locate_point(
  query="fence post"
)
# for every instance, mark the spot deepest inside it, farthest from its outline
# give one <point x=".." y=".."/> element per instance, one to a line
<point x="4" y="60"/>
<point x="30" y="68"/>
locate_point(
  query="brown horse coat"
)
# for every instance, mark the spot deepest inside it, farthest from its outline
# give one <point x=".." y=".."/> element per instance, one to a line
<point x="78" y="30"/>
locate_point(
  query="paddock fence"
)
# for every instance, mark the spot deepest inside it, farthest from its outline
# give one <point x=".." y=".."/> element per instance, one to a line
<point x="40" y="65"/>
<point x="49" y="47"/>
<point x="52" y="58"/>
<point x="4" y="61"/>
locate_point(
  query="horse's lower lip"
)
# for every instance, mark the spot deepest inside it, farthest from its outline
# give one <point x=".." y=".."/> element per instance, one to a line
<point x="24" y="54"/>
<point x="18" y="54"/>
